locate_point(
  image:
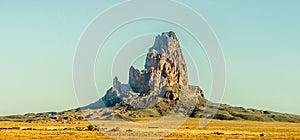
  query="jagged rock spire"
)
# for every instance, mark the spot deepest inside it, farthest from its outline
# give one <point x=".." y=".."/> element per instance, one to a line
<point x="165" y="66"/>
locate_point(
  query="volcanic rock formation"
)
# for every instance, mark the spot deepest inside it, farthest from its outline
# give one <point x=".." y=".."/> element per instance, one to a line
<point x="160" y="89"/>
<point x="164" y="78"/>
<point x="165" y="66"/>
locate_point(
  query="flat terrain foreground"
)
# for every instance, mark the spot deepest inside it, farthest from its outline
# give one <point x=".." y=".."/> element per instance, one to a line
<point x="217" y="129"/>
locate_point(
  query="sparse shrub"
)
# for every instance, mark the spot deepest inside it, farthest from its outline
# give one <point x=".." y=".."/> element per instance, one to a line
<point x="223" y="117"/>
<point x="91" y="127"/>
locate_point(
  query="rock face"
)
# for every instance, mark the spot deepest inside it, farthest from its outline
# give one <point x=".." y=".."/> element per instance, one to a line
<point x="165" y="66"/>
<point x="139" y="80"/>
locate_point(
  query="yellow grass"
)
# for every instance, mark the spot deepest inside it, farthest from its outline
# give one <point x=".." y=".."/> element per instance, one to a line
<point x="217" y="129"/>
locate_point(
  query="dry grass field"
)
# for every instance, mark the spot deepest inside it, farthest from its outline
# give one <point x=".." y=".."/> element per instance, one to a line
<point x="217" y="129"/>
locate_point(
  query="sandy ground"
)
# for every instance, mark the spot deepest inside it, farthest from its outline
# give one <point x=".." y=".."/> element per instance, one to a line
<point x="142" y="129"/>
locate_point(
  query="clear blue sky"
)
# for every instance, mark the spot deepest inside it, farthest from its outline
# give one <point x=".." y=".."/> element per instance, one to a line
<point x="260" y="40"/>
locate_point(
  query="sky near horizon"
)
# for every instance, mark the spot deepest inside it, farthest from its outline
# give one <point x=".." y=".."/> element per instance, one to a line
<point x="260" y="41"/>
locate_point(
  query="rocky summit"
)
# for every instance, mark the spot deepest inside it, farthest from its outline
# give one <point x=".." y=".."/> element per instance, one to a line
<point x="165" y="66"/>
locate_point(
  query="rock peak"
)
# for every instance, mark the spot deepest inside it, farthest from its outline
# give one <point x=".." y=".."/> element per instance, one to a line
<point x="170" y="34"/>
<point x="165" y="66"/>
<point x="165" y="40"/>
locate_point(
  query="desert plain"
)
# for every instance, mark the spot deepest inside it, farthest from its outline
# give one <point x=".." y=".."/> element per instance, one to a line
<point x="216" y="129"/>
